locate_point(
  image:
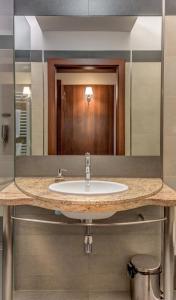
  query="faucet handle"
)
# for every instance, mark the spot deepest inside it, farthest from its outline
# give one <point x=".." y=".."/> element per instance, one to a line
<point x="87" y="158"/>
<point x="60" y="176"/>
<point x="60" y="171"/>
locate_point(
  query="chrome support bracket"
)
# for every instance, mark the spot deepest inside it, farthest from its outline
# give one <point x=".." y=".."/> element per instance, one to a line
<point x="91" y="224"/>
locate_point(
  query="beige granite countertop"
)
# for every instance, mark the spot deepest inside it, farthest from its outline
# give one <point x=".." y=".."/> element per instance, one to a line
<point x="141" y="192"/>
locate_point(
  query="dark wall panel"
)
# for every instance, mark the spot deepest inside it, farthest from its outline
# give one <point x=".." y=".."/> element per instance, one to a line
<point x="125" y="7"/>
<point x="119" y="166"/>
<point x="88" y="7"/>
<point x="138" y="56"/>
<point x="88" y="54"/>
<point x="93" y="7"/>
<point x="170" y="7"/>
<point x="146" y="56"/>
<point x="6" y="41"/>
<point x="51" y="7"/>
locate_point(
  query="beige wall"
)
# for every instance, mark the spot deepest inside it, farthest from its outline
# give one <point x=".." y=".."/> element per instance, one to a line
<point x="127" y="108"/>
<point x="23" y="78"/>
<point x="37" y="108"/>
<point x="6" y="106"/>
<point x="6" y="101"/>
<point x="169" y="146"/>
<point x="87" y="78"/>
<point x="145" y="107"/>
<point x="169" y="129"/>
<point x="50" y="257"/>
<point x="142" y="109"/>
<point x="35" y="79"/>
<point x="45" y="109"/>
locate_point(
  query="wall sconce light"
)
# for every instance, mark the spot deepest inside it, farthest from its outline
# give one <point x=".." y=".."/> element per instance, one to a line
<point x="27" y="91"/>
<point x="89" y="93"/>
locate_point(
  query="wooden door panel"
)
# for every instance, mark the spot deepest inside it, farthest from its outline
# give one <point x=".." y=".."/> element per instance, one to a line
<point x="87" y="127"/>
<point x="54" y="64"/>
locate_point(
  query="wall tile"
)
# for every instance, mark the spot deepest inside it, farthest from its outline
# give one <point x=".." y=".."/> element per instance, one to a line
<point x="37" y="108"/>
<point x="109" y="296"/>
<point x="60" y="295"/>
<point x="51" y="295"/>
<point x="43" y="8"/>
<point x="125" y="7"/>
<point x="169" y="142"/>
<point x="170" y="37"/>
<point x="51" y="257"/>
<point x="7" y="106"/>
<point x="170" y="118"/>
<point x="170" y="67"/>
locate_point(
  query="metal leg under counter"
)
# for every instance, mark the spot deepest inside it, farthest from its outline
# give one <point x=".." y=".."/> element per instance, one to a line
<point x="7" y="267"/>
<point x="168" y="268"/>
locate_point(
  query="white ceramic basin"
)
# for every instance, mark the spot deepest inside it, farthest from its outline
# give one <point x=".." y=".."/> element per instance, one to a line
<point x="96" y="187"/>
<point x="80" y="187"/>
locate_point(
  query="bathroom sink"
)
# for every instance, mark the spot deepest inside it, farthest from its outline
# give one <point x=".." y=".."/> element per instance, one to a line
<point x="81" y="187"/>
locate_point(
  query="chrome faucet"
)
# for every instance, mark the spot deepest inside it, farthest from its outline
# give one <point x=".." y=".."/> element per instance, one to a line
<point x="88" y="164"/>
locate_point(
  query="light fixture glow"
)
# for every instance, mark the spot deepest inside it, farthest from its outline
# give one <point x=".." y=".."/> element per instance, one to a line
<point x="27" y="91"/>
<point x="89" y="93"/>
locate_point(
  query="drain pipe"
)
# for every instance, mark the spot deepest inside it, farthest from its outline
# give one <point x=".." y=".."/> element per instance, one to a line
<point x="88" y="239"/>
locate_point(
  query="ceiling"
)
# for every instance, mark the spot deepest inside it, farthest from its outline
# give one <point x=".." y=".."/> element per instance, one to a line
<point x="86" y="23"/>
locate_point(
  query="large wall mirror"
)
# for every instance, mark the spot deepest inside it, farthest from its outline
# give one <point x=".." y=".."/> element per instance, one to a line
<point x="88" y="84"/>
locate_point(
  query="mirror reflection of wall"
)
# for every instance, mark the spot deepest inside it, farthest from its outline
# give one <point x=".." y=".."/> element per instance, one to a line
<point x="23" y="87"/>
<point x="134" y="40"/>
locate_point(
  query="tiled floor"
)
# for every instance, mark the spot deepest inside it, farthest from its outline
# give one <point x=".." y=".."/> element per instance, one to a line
<point x="55" y="295"/>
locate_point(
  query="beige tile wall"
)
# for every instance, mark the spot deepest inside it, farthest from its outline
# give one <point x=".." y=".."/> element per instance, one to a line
<point x="87" y="78"/>
<point x="51" y="257"/>
<point x="169" y="143"/>
<point x="46" y="109"/>
<point x="145" y="106"/>
<point x="37" y="108"/>
<point x="35" y="79"/>
<point x="144" y="123"/>
<point x="6" y="106"/>
<point x="127" y="109"/>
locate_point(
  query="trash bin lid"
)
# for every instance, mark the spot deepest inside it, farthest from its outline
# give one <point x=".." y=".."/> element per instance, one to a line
<point x="146" y="264"/>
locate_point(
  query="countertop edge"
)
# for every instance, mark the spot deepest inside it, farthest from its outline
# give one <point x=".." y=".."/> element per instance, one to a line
<point x="11" y="195"/>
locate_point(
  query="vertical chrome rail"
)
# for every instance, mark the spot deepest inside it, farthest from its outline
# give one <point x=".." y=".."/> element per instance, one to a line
<point x="169" y="254"/>
<point x="7" y="281"/>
